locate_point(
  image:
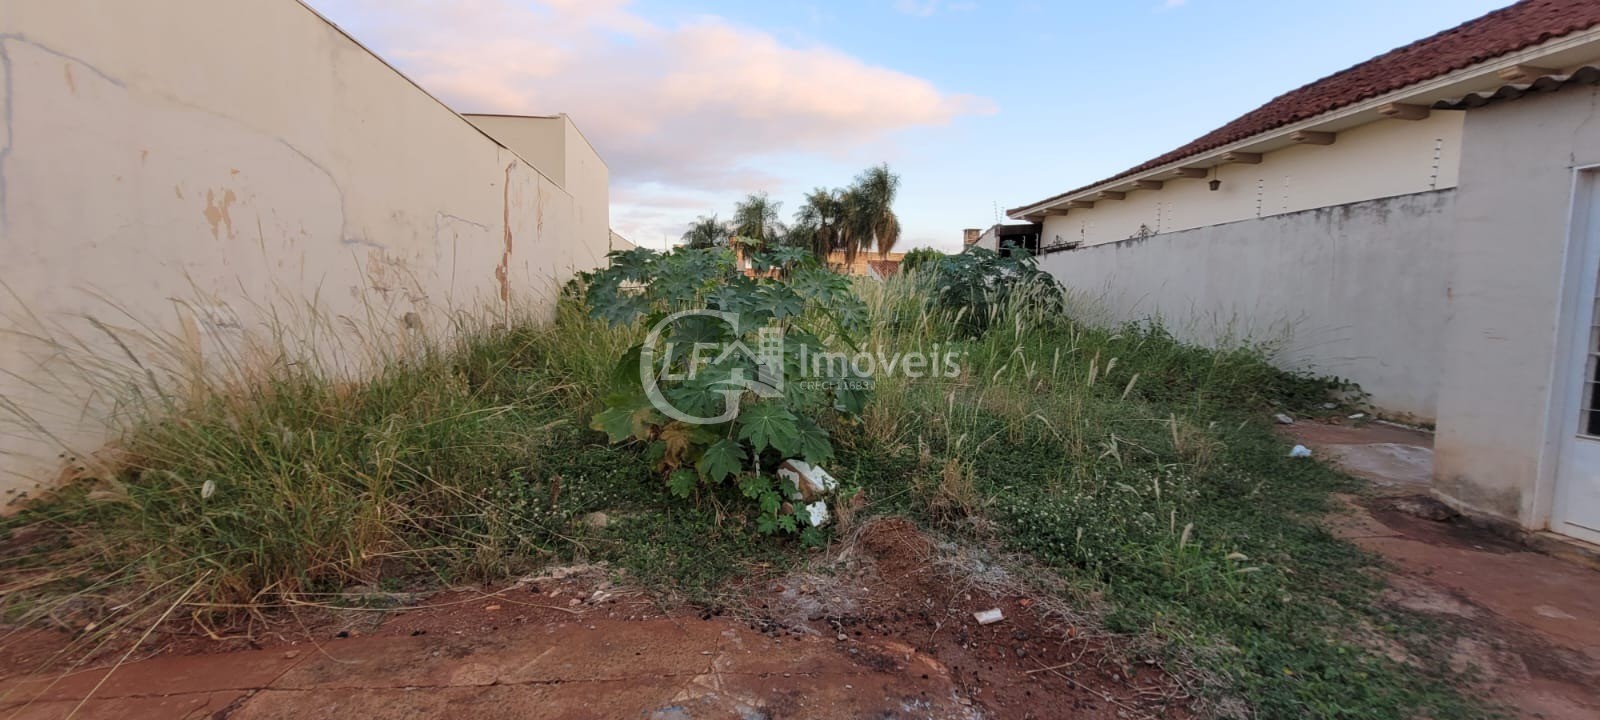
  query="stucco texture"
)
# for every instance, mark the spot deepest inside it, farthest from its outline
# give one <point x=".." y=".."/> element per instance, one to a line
<point x="1496" y="447"/>
<point x="193" y="168"/>
<point x="1355" y="290"/>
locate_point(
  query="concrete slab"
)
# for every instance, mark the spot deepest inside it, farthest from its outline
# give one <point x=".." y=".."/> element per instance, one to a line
<point x="1387" y="464"/>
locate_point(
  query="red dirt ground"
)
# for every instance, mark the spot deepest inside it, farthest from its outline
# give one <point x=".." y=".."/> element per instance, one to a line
<point x="897" y="641"/>
<point x="1529" y="621"/>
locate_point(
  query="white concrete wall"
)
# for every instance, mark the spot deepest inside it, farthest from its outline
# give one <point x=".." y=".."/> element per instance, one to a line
<point x="1494" y="452"/>
<point x="1382" y="159"/>
<point x="189" y="166"/>
<point x="555" y="146"/>
<point x="1355" y="291"/>
<point x="539" y="139"/>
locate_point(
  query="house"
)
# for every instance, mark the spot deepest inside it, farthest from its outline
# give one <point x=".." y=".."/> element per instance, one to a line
<point x="1001" y="237"/>
<point x="1425" y="223"/>
<point x="882" y="269"/>
<point x="837" y="261"/>
<point x="861" y="264"/>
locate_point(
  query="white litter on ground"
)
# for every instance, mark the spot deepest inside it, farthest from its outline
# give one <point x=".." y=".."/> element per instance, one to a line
<point x="810" y="482"/>
<point x="989" y="617"/>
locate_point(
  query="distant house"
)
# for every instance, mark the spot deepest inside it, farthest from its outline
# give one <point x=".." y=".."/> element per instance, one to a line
<point x="836" y="261"/>
<point x="1426" y="223"/>
<point x="862" y="263"/>
<point x="882" y="269"/>
<point x="1001" y="237"/>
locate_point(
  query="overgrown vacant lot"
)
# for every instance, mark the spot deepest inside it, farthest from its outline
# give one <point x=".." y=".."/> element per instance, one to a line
<point x="1135" y="478"/>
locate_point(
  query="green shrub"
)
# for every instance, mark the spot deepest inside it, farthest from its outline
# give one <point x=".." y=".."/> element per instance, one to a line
<point x="732" y="414"/>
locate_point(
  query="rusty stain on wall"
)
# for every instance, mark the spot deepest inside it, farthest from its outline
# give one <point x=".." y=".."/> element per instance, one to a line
<point x="502" y="272"/>
<point x="217" y="214"/>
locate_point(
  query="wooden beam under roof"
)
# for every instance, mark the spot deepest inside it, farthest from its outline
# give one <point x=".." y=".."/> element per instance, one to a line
<point x="1148" y="184"/>
<point x="1242" y="158"/>
<point x="1110" y="195"/>
<point x="1525" y="73"/>
<point x="1080" y="204"/>
<point x="1404" y="111"/>
<point x="1312" y="137"/>
<point x="1193" y="172"/>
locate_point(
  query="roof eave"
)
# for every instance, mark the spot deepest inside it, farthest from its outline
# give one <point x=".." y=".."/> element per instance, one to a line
<point x="1569" y="51"/>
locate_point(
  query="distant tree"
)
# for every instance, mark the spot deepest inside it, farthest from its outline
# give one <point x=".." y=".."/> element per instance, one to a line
<point x="706" y="232"/>
<point x="869" y="209"/>
<point x="850" y="220"/>
<point x="819" y="223"/>
<point x="920" y="258"/>
<point x="756" y="219"/>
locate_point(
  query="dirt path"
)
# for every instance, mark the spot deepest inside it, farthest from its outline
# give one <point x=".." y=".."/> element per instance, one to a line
<point x="658" y="668"/>
<point x="880" y="632"/>
<point x="1530" y="621"/>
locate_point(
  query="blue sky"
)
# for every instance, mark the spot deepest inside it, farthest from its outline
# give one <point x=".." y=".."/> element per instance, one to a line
<point x="975" y="103"/>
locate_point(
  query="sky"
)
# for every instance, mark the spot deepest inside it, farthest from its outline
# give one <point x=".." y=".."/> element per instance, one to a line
<point x="978" y="105"/>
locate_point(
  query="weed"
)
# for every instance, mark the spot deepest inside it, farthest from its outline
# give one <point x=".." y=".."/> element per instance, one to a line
<point x="1136" y="468"/>
<point x="1140" y="469"/>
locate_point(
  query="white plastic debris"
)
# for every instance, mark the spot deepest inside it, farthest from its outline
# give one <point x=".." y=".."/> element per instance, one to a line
<point x="1358" y="416"/>
<point x="819" y="513"/>
<point x="988" y="617"/>
<point x="1283" y="419"/>
<point x="1329" y="406"/>
<point x="810" y="482"/>
<point x="1300" y="451"/>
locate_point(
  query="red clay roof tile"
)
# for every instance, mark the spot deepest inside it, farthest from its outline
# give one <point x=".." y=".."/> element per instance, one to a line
<point x="1503" y="31"/>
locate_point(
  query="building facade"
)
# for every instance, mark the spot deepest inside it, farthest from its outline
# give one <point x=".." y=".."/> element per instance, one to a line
<point x="1421" y="223"/>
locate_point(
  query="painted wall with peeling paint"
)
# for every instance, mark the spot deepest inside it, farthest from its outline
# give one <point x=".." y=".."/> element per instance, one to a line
<point x="1356" y="290"/>
<point x="165" y="174"/>
<point x="1382" y="159"/>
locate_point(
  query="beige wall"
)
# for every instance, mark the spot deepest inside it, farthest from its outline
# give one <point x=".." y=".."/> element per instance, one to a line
<point x="1381" y="159"/>
<point x="554" y="145"/>
<point x="1495" y="449"/>
<point x="1356" y="291"/>
<point x="539" y="139"/>
<point x="163" y="170"/>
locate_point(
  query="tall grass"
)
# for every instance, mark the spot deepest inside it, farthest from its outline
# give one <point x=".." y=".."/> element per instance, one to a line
<point x="1144" y="471"/>
<point x="261" y="486"/>
<point x="1136" y="467"/>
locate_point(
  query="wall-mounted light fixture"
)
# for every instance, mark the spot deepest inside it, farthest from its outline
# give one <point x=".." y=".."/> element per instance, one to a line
<point x="1216" y="184"/>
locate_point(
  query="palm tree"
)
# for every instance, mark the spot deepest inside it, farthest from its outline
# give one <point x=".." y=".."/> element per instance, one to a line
<point x="818" y="223"/>
<point x="869" y="211"/>
<point x="706" y="232"/>
<point x="756" y="219"/>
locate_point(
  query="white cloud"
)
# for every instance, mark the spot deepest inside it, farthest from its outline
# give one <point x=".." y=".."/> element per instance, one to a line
<point x="695" y="105"/>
